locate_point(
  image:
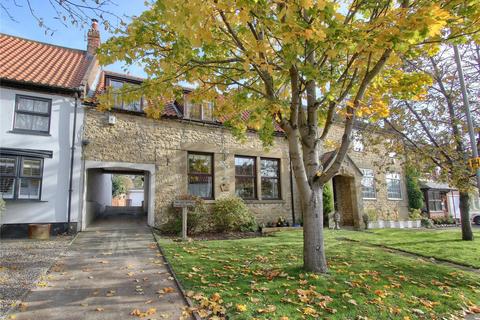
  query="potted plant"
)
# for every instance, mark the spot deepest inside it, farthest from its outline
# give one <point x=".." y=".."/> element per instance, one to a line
<point x="372" y="218"/>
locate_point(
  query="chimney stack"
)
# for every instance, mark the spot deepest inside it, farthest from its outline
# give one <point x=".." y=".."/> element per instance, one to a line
<point x="93" y="38"/>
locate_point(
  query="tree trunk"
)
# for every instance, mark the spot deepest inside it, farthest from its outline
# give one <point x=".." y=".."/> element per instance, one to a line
<point x="311" y="201"/>
<point x="467" y="233"/>
<point x="313" y="242"/>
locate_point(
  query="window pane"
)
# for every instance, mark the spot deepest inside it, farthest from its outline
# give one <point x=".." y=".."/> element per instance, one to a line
<point x="116" y="84"/>
<point x="31" y="122"/>
<point x="7" y="185"/>
<point x="368" y="184"/>
<point x="40" y="123"/>
<point x="7" y="166"/>
<point x="244" y="166"/>
<point x="23" y="121"/>
<point x="199" y="163"/>
<point x="269" y="168"/>
<point x="29" y="188"/>
<point x="208" y="111"/>
<point x="134" y="106"/>
<point x="195" y="111"/>
<point x="270" y="188"/>
<point x="31" y="167"/>
<point x="24" y="104"/>
<point x="200" y="186"/>
<point x="245" y="187"/>
<point x="32" y="105"/>
<point x="393" y="186"/>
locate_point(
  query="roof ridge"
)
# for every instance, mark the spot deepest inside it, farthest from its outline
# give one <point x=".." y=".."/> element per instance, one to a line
<point x="43" y="43"/>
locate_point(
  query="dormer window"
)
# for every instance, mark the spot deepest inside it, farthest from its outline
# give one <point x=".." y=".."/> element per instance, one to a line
<point x="117" y="84"/>
<point x="198" y="111"/>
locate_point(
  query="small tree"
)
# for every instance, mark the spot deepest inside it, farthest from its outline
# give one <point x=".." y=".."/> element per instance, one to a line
<point x="328" y="205"/>
<point x="120" y="184"/>
<point x="415" y="195"/>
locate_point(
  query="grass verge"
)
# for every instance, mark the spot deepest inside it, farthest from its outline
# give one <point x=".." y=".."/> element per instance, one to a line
<point x="262" y="278"/>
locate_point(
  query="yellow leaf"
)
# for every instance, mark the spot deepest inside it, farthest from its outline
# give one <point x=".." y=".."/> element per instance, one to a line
<point x="241" y="308"/>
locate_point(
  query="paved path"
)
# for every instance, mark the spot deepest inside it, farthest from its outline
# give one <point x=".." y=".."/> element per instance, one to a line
<point x="107" y="273"/>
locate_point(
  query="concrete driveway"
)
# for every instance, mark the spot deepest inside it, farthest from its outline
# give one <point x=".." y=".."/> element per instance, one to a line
<point x="112" y="271"/>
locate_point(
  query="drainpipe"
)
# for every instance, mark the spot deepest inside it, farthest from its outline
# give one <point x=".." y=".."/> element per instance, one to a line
<point x="291" y="193"/>
<point x="72" y="157"/>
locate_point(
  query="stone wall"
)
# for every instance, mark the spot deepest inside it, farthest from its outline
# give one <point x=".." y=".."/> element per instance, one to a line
<point x="166" y="143"/>
<point x="376" y="156"/>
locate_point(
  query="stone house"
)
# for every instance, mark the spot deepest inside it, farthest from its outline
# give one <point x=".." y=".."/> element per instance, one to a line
<point x="188" y="152"/>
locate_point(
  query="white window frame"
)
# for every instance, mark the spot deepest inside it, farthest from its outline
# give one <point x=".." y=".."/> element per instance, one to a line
<point x="19" y="160"/>
<point x="366" y="175"/>
<point x="203" y="105"/>
<point x="394" y="176"/>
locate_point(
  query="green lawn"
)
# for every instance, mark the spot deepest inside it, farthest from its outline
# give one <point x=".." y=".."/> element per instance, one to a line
<point x="441" y="244"/>
<point x="261" y="278"/>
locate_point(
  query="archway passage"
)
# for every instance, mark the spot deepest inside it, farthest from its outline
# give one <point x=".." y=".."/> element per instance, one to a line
<point x="344" y="199"/>
<point x="116" y="198"/>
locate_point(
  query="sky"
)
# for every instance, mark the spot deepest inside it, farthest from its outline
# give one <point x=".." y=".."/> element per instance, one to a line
<point x="26" y="26"/>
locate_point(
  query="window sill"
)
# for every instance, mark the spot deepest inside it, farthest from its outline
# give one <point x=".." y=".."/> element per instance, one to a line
<point x="33" y="133"/>
<point x="370" y="199"/>
<point x="277" y="201"/>
<point x="395" y="199"/>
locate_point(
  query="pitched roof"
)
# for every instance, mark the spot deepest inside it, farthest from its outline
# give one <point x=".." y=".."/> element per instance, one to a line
<point x="172" y="108"/>
<point x="33" y="62"/>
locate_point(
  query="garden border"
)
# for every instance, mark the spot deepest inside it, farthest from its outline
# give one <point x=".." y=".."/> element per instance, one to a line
<point x="195" y="314"/>
<point x="459" y="265"/>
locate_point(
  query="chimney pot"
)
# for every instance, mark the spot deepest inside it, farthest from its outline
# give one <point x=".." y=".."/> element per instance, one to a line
<point x="93" y="38"/>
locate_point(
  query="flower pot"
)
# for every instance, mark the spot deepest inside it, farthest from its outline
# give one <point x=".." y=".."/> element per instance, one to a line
<point x="417" y="223"/>
<point x="39" y="231"/>
<point x="401" y="224"/>
<point x="409" y="223"/>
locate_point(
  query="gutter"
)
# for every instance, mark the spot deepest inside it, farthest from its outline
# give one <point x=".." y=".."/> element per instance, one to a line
<point x="291" y="193"/>
<point x="72" y="157"/>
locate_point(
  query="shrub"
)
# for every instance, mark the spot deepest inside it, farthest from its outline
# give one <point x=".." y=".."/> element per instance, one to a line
<point x="372" y="214"/>
<point x="415" y="214"/>
<point x="427" y="223"/>
<point x="197" y="218"/>
<point x="231" y="214"/>
<point x="415" y="195"/>
<point x="366" y="219"/>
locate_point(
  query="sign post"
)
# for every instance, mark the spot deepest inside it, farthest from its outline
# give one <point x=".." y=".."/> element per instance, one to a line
<point x="184" y="204"/>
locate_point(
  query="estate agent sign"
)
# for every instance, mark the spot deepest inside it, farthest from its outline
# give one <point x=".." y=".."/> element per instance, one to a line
<point x="184" y="204"/>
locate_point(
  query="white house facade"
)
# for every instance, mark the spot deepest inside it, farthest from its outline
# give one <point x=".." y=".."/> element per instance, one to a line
<point x="41" y="127"/>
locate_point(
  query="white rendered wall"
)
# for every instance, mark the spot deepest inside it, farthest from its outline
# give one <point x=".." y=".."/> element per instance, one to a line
<point x="54" y="197"/>
<point x="136" y="196"/>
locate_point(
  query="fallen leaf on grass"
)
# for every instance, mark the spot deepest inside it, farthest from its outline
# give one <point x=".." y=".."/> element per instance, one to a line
<point x="99" y="309"/>
<point x="474" y="309"/>
<point x="241" y="308"/>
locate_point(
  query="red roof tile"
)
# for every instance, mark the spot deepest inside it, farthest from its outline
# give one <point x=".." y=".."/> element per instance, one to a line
<point x="41" y="63"/>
